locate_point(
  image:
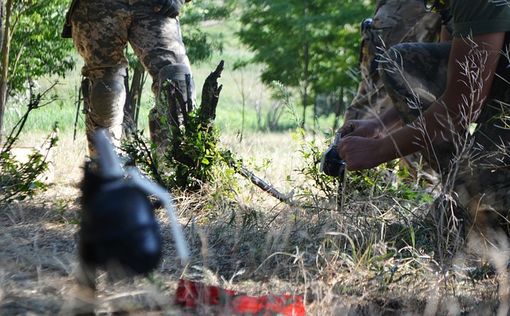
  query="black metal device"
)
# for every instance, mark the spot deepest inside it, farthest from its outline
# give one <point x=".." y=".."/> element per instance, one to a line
<point x="118" y="230"/>
<point x="366" y="25"/>
<point x="331" y="163"/>
<point x="118" y="226"/>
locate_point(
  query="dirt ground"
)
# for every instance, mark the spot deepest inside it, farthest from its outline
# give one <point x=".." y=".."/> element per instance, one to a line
<point x="38" y="261"/>
<point x="38" y="252"/>
<point x="283" y="251"/>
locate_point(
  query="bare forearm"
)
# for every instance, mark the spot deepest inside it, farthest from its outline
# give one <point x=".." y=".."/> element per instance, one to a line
<point x="470" y="74"/>
<point x="445" y="35"/>
<point x="471" y="69"/>
<point x="390" y="119"/>
<point x="419" y="135"/>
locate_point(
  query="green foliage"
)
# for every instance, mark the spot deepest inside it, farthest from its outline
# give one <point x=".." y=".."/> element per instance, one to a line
<point x="36" y="47"/>
<point x="386" y="180"/>
<point x="390" y="180"/>
<point x="305" y="42"/>
<point x="186" y="166"/>
<point x="190" y="154"/>
<point x="311" y="151"/>
<point x="193" y="160"/>
<point x="200" y="45"/>
<point x="21" y="179"/>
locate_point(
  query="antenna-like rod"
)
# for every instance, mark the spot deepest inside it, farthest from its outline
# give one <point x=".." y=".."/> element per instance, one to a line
<point x="109" y="163"/>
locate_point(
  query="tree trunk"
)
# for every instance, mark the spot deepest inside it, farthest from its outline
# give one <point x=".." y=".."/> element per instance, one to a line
<point x="340" y="108"/>
<point x="133" y="99"/>
<point x="184" y="133"/>
<point x="306" y="64"/>
<point x="127" y="121"/>
<point x="4" y="66"/>
<point x="210" y="95"/>
<point x="1" y="21"/>
<point x="305" y="82"/>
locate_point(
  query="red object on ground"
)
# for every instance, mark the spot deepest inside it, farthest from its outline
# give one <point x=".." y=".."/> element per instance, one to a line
<point x="193" y="294"/>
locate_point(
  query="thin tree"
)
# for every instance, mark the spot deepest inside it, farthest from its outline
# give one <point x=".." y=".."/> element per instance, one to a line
<point x="31" y="46"/>
<point x="4" y="61"/>
<point x="306" y="45"/>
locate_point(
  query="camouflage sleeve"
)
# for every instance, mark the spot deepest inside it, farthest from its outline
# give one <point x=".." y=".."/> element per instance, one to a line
<point x="446" y="16"/>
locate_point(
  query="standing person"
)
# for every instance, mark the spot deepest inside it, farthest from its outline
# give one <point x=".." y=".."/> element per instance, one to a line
<point x="476" y="89"/>
<point x="101" y="30"/>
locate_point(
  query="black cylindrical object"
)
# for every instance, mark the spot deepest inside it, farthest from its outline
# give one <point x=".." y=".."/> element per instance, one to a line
<point x="331" y="163"/>
<point x="118" y="225"/>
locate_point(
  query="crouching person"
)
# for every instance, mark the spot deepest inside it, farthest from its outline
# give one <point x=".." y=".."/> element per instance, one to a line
<point x="473" y="162"/>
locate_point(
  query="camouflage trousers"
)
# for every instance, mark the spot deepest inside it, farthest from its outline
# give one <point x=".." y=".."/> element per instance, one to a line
<point x="477" y="166"/>
<point x="101" y="30"/>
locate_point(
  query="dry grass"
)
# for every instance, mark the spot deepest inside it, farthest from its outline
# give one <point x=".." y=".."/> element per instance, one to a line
<point x="374" y="258"/>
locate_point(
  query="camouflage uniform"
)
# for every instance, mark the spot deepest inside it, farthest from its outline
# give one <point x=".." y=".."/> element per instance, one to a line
<point x="101" y="30"/>
<point x="394" y="21"/>
<point x="480" y="176"/>
<point x="411" y="76"/>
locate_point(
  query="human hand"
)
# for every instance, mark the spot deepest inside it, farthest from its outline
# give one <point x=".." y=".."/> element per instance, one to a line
<point x="365" y="128"/>
<point x="362" y="153"/>
<point x="169" y="8"/>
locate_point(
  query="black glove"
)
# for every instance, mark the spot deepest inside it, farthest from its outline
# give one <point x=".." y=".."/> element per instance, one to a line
<point x="169" y="8"/>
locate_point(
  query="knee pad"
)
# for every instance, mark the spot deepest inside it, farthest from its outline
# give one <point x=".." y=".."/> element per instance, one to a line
<point x="168" y="113"/>
<point x="180" y="74"/>
<point x="104" y="98"/>
<point x="107" y="96"/>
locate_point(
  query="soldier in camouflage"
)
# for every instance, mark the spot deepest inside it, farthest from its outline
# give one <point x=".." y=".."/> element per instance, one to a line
<point x="460" y="122"/>
<point x="101" y="30"/>
<point x="475" y="167"/>
<point x="394" y="21"/>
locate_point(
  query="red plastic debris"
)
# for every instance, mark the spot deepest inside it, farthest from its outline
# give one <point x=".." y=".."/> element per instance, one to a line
<point x="192" y="294"/>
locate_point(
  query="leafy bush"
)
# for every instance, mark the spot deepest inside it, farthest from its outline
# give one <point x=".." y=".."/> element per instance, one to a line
<point x="186" y="166"/>
<point x="311" y="151"/>
<point x="21" y="179"/>
<point x="390" y="179"/>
